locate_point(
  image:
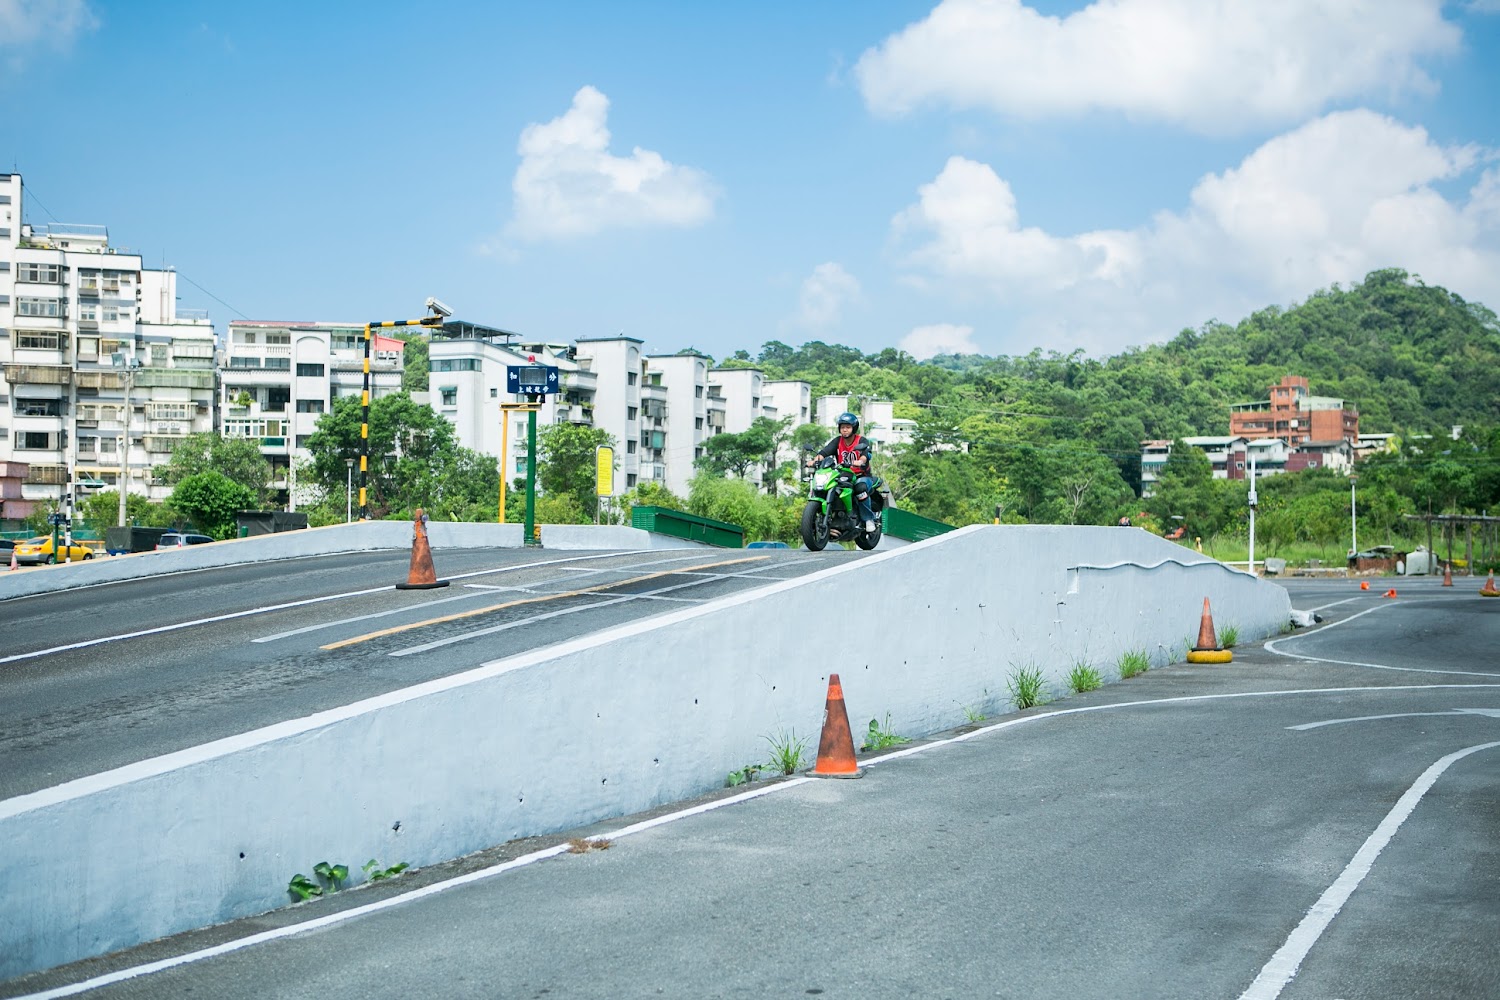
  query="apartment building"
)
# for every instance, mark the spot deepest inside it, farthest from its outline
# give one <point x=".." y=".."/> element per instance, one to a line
<point x="279" y="377"/>
<point x="619" y="366"/>
<point x="877" y="420"/>
<point x="102" y="373"/>
<point x="1294" y="415"/>
<point x="687" y="423"/>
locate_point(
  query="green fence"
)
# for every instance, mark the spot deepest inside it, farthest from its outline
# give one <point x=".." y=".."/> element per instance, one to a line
<point x="912" y="527"/>
<point x="679" y="524"/>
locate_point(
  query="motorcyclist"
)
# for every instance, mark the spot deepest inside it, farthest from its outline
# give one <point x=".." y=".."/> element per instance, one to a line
<point x="853" y="451"/>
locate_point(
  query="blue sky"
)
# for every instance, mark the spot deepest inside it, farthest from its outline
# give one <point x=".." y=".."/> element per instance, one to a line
<point x="984" y="175"/>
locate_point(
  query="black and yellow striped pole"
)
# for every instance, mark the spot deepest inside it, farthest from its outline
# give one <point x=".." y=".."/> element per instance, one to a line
<point x="364" y="399"/>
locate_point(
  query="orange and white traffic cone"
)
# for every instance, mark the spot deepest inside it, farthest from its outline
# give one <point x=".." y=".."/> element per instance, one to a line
<point x="422" y="575"/>
<point x="13" y="564"/>
<point x="836" y="744"/>
<point x="1488" y="590"/>
<point x="1208" y="649"/>
<point x="1390" y="593"/>
<point x="1447" y="574"/>
<point x="1364" y="585"/>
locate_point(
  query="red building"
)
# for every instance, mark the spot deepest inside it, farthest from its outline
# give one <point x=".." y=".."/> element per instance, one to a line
<point x="1294" y="415"/>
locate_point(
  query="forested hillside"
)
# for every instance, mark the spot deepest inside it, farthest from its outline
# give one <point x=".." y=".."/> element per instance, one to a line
<point x="1056" y="438"/>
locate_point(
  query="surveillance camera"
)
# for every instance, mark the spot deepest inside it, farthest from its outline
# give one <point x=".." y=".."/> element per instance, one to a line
<point x="438" y="307"/>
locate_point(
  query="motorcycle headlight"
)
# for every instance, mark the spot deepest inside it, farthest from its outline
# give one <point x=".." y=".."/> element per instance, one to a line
<point x="822" y="478"/>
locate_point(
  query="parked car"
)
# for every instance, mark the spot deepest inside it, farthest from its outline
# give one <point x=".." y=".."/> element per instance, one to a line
<point x="179" y="539"/>
<point x="35" y="551"/>
<point x="768" y="545"/>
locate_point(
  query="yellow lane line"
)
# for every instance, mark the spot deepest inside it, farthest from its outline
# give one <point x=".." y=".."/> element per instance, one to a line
<point x="536" y="600"/>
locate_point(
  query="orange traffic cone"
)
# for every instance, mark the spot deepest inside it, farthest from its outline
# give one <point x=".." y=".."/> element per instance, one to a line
<point x="1390" y="593"/>
<point x="1207" y="649"/>
<point x="422" y="575"/>
<point x="1447" y="574"/>
<point x="1488" y="590"/>
<point x="1364" y="585"/>
<point x="836" y="745"/>
<point x="13" y="564"/>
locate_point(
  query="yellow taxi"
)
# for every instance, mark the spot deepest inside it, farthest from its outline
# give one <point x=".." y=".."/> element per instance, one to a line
<point x="34" y="551"/>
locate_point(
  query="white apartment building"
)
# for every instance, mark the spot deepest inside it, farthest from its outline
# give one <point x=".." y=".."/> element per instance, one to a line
<point x="468" y="380"/>
<point x="688" y="423"/>
<point x="619" y="366"/>
<point x="102" y="376"/>
<point x="792" y="401"/>
<point x="877" y="420"/>
<point x="278" y="378"/>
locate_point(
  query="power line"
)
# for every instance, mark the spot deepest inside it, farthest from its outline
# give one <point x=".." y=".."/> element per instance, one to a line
<point x="211" y="295"/>
<point x="31" y="194"/>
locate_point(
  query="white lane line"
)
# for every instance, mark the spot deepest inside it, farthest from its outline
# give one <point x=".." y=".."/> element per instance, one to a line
<point x="409" y="608"/>
<point x="275" y="607"/>
<point x="1324" y="607"/>
<point x="122" y="975"/>
<point x="621" y="599"/>
<point x="1271" y="647"/>
<point x="1371" y="718"/>
<point x="1284" y="964"/>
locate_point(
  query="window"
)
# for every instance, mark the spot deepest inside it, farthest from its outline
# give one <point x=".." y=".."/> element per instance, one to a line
<point x="110" y="315"/>
<point x="48" y="308"/>
<point x="107" y="446"/>
<point x="42" y="274"/>
<point x="309" y="371"/>
<point x="698" y="391"/>
<point x="38" y="407"/>
<point x="248" y="337"/>
<point x="38" y="340"/>
<point x="309" y="406"/>
<point x="39" y="440"/>
<point x="697" y="423"/>
<point x="456" y="365"/>
<point x="242" y="362"/>
<point x="630" y="378"/>
<point x="88" y="312"/>
<point x="88" y="447"/>
<point x="494" y="392"/>
<point x="278" y="338"/>
<point x="630" y="412"/>
<point x="450" y="395"/>
<point x="630" y="447"/>
<point x="697" y="452"/>
<point x="629" y="480"/>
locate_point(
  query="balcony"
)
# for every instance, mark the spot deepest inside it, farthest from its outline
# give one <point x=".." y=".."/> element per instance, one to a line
<point x="580" y="379"/>
<point x="19" y="374"/>
<point x="163" y="443"/>
<point x="88" y="288"/>
<point x="174" y="378"/>
<point x="656" y="393"/>
<point x="579" y="415"/>
<point x="47" y="475"/>
<point x="100" y="380"/>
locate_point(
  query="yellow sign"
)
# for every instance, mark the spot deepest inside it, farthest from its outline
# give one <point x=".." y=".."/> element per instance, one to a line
<point x="604" y="471"/>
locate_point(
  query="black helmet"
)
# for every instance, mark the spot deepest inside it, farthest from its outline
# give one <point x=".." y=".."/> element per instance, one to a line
<point x="848" y="418"/>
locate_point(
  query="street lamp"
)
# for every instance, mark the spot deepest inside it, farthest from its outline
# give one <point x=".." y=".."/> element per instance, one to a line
<point x="128" y="365"/>
<point x="348" y="490"/>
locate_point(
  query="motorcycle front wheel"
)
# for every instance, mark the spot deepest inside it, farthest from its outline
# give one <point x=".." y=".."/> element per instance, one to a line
<point x="814" y="527"/>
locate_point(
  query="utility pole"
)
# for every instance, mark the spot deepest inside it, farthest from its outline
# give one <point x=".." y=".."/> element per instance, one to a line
<point x="1253" y="501"/>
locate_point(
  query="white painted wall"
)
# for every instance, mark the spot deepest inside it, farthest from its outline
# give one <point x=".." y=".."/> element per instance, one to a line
<point x="602" y="726"/>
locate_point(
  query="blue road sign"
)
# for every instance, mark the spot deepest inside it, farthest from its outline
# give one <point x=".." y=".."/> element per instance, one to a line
<point x="532" y="380"/>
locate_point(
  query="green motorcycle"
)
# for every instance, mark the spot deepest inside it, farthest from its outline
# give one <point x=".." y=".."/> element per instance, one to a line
<point x="830" y="512"/>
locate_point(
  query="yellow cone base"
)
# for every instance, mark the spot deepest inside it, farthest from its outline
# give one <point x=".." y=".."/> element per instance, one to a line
<point x="1209" y="656"/>
<point x="1489" y="593"/>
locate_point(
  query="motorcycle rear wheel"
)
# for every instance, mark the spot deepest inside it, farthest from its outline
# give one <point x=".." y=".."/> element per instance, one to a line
<point x="868" y="540"/>
<point x="814" y="527"/>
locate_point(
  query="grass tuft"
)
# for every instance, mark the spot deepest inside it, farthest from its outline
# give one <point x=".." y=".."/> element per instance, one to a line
<point x="879" y="737"/>
<point x="1084" y="678"/>
<point x="1228" y="636"/>
<point x="787" y="751"/>
<point x="1133" y="663"/>
<point x="1027" y="689"/>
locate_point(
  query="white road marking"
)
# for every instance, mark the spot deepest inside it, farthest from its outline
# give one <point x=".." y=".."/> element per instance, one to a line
<point x="1371" y="718"/>
<point x="1324" y="607"/>
<point x="1284" y="964"/>
<point x="621" y="599"/>
<point x="1271" y="647"/>
<point x="290" y="604"/>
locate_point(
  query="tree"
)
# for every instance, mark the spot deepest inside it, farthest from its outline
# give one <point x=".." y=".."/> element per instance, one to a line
<point x="414" y="362"/>
<point x="736" y="453"/>
<point x="101" y="510"/>
<point x="237" y="459"/>
<point x="566" y="465"/>
<point x="210" y="500"/>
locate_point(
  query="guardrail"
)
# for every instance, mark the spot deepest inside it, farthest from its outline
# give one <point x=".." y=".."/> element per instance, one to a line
<point x="899" y="523"/>
<point x="681" y="524"/>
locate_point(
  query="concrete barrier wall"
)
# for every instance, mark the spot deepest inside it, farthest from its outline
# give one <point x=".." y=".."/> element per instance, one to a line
<point x="610" y="536"/>
<point x="605" y="725"/>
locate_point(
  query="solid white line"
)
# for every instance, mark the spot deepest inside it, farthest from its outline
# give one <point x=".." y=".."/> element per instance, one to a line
<point x="429" y="890"/>
<point x="1370" y="718"/>
<point x="1335" y="604"/>
<point x="1288" y="958"/>
<point x="1271" y="647"/>
<point x="376" y="614"/>
<point x="621" y="599"/>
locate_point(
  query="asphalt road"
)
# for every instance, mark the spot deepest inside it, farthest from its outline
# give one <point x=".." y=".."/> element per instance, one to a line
<point x="96" y="678"/>
<point x="1318" y="819"/>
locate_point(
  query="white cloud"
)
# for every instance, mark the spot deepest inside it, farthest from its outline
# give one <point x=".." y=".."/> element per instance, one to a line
<point x="940" y="338"/>
<point x="569" y="184"/>
<point x="1328" y="202"/>
<point x="1218" y="67"/>
<point x="50" y="23"/>
<point x="824" y="294"/>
